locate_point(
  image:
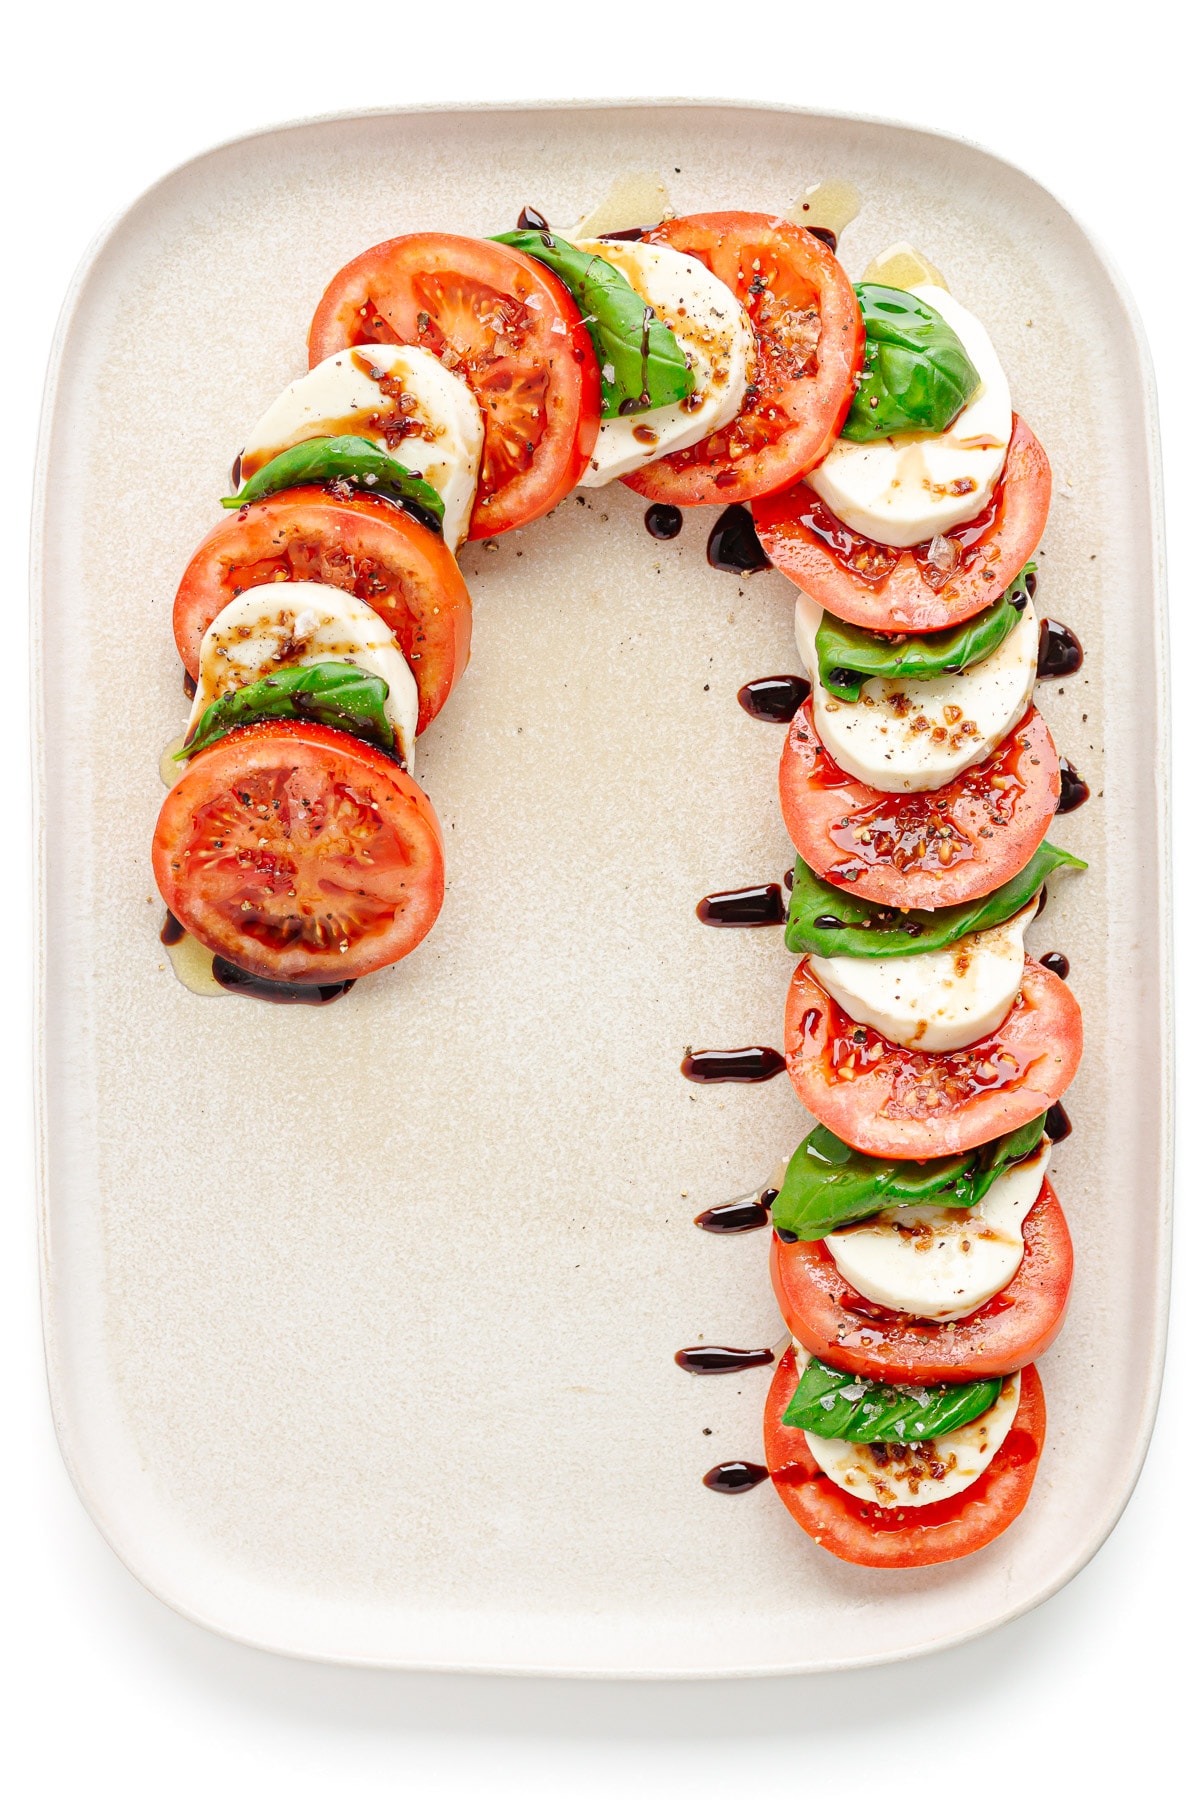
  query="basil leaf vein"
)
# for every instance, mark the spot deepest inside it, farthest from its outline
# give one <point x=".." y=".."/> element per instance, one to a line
<point x="828" y="1184"/>
<point x="833" y="1404"/>
<point x="641" y="363"/>
<point x="353" y="461"/>
<point x="824" y="920"/>
<point x="849" y="657"/>
<point x="337" y="694"/>
<point x="916" y="374"/>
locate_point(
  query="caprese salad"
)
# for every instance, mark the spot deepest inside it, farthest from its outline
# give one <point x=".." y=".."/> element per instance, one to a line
<point x="462" y="387"/>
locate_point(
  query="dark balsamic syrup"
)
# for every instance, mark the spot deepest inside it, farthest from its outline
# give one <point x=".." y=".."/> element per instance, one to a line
<point x="632" y="234"/>
<point x="189" y="685"/>
<point x="1057" y="963"/>
<point x="755" y="1063"/>
<point x="1059" y="651"/>
<point x="775" y="699"/>
<point x="743" y="906"/>
<point x="1058" y="1126"/>
<point x="172" y="931"/>
<point x="663" y="521"/>
<point x="826" y="236"/>
<point x="733" y="545"/>
<point x="235" y="473"/>
<point x="738" y="1215"/>
<point x="735" y="1477"/>
<point x="529" y="219"/>
<point x="1074" y="789"/>
<point x="283" y="993"/>
<point x="718" y="1359"/>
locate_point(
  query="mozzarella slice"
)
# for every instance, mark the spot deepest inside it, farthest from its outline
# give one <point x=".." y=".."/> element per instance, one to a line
<point x="401" y="398"/>
<point x="939" y="999"/>
<point x="290" y="624"/>
<point x="904" y="489"/>
<point x="909" y="736"/>
<point x="921" y="1473"/>
<point x="715" y="336"/>
<point x="942" y="1262"/>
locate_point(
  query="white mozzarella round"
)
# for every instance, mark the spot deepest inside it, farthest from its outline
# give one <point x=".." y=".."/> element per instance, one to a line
<point x="909" y="736"/>
<point x="919" y="1474"/>
<point x="401" y="398"/>
<point x="904" y="489"/>
<point x="712" y="329"/>
<point x="936" y="1000"/>
<point x="942" y="1262"/>
<point x="290" y="624"/>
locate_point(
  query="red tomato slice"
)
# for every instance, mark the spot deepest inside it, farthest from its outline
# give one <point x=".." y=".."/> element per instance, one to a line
<point x="510" y="329"/>
<point x="884" y="589"/>
<point x="809" y="341"/>
<point x="888" y="1101"/>
<point x="1014" y="1328"/>
<point x="360" y="545"/>
<point x="300" y="854"/>
<point x="934" y="848"/>
<point x="902" y="1537"/>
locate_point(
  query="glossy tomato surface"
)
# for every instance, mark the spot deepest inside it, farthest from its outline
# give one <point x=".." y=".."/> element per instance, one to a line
<point x="514" y="334"/>
<point x="928" y="849"/>
<point x="884" y="589"/>
<point x="902" y="1537"/>
<point x="300" y="854"/>
<point x="809" y="338"/>
<point x="889" y="1101"/>
<point x="363" y="546"/>
<point x="834" y="1322"/>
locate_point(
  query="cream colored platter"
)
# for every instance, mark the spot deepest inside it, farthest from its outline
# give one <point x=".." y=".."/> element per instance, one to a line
<point x="360" y="1320"/>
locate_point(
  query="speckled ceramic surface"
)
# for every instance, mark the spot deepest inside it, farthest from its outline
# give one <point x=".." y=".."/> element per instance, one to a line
<point x="360" y="1321"/>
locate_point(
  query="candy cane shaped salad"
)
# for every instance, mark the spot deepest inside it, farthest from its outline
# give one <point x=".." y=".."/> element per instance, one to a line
<point x="861" y="439"/>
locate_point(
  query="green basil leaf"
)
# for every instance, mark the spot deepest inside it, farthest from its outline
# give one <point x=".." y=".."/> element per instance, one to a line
<point x="332" y="693"/>
<point x="916" y="375"/>
<point x="352" y="461"/>
<point x="850" y="656"/>
<point x="641" y="363"/>
<point x="829" y="1185"/>
<point x="824" y="920"/>
<point x="833" y="1404"/>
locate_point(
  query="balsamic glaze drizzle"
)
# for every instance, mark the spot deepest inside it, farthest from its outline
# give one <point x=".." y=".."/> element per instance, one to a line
<point x="189" y="685"/>
<point x="663" y="521"/>
<point x="719" y="1359"/>
<point x="1059" y="651"/>
<point x="735" y="1477"/>
<point x="733" y="544"/>
<point x="1057" y="963"/>
<point x="747" y="1214"/>
<point x="775" y="699"/>
<point x="172" y="931"/>
<point x="1074" y="789"/>
<point x="283" y="993"/>
<point x="743" y="906"/>
<point x="529" y="219"/>
<point x="1058" y="1126"/>
<point x="755" y="1063"/>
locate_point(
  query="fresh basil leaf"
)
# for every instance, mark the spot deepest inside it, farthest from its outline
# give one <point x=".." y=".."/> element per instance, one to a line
<point x="849" y="656"/>
<point x="916" y="375"/>
<point x="833" y="1404"/>
<point x="829" y="1185"/>
<point x="333" y="693"/>
<point x="352" y="461"/>
<point x="641" y="363"/>
<point x="824" y="920"/>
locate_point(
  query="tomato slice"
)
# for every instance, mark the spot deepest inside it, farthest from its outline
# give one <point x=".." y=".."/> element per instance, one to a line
<point x="300" y="854"/>
<point x="902" y="1537"/>
<point x="364" y="546"/>
<point x="1014" y="1328"/>
<point x="888" y="1101"/>
<point x="928" y="849"/>
<point x="884" y="589"/>
<point x="809" y="339"/>
<point x="510" y="329"/>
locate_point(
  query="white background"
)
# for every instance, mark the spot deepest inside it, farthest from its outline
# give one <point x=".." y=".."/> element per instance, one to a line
<point x="103" y="1688"/>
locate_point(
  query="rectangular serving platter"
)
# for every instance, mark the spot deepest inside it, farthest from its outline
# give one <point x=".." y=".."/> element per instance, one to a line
<point x="360" y="1321"/>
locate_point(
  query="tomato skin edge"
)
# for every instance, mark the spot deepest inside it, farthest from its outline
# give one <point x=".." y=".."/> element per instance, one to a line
<point x="844" y="1526"/>
<point x="981" y="1345"/>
